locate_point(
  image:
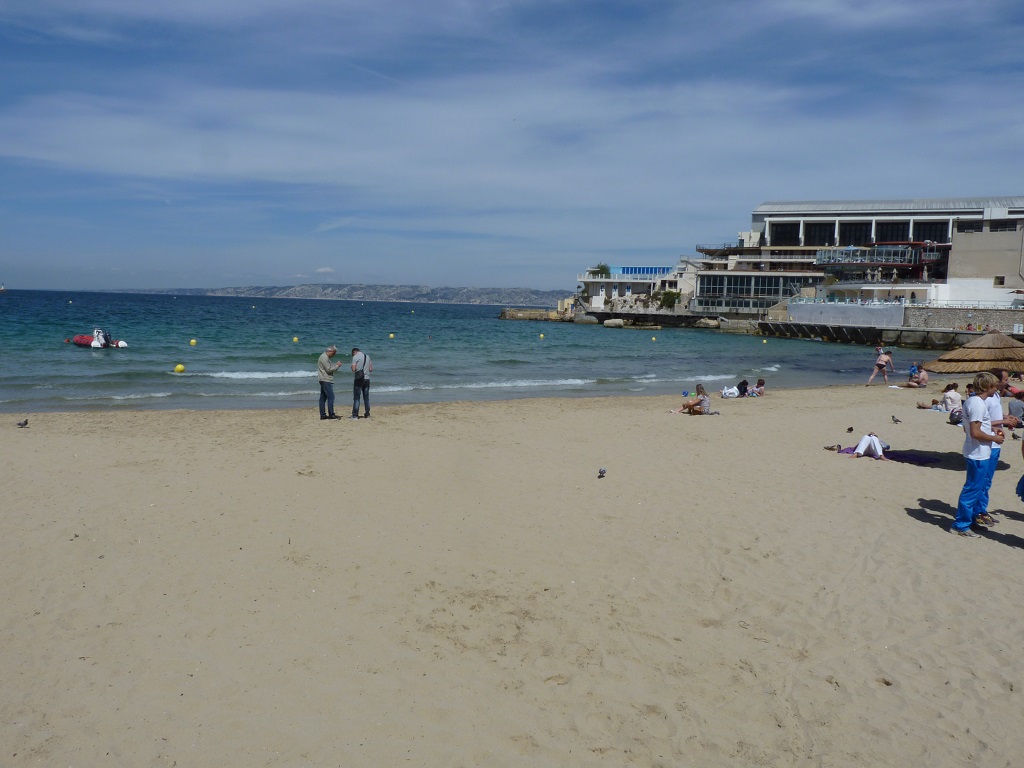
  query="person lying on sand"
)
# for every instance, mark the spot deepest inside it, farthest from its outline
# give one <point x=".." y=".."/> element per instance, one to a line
<point x="869" y="445"/>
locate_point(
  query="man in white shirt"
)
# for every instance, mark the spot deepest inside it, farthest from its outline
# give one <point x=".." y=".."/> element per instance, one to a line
<point x="997" y="419"/>
<point x="979" y="439"/>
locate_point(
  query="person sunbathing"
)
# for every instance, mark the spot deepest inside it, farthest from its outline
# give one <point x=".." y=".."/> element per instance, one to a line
<point x="870" y="445"/>
<point x="949" y="401"/>
<point x="918" y="379"/>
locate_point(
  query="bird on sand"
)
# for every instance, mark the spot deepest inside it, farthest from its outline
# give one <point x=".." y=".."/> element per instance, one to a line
<point x="600" y="473"/>
<point x="896" y="421"/>
<point x="849" y="429"/>
<point x="22" y="424"/>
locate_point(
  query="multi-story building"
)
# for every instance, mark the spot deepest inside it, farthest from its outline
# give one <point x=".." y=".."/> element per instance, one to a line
<point x="935" y="252"/>
<point x="606" y="288"/>
<point x="931" y="251"/>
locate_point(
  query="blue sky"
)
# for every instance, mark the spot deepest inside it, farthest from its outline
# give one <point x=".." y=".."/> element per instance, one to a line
<point x="508" y="143"/>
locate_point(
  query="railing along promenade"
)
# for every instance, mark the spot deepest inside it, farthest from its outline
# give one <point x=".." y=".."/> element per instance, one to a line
<point x="938" y="303"/>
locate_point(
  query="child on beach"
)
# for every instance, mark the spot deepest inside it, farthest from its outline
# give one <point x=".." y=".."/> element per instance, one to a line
<point x="979" y="440"/>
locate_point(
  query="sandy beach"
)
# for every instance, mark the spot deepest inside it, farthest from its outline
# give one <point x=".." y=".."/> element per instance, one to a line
<point x="452" y="585"/>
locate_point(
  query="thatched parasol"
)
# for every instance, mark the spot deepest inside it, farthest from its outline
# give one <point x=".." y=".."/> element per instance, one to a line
<point x="990" y="352"/>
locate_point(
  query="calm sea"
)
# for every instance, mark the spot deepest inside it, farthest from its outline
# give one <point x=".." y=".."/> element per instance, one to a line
<point x="245" y="356"/>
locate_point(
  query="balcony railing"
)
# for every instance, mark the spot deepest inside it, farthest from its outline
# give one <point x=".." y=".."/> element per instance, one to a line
<point x="866" y="256"/>
<point x="587" y="277"/>
<point x="945" y="304"/>
<point x="877" y="255"/>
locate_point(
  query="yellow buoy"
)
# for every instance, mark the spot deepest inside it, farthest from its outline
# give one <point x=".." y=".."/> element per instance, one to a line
<point x="764" y="341"/>
<point x="192" y="343"/>
<point x="391" y="335"/>
<point x="179" y="368"/>
<point x="654" y="338"/>
<point x="542" y="335"/>
<point x="295" y="339"/>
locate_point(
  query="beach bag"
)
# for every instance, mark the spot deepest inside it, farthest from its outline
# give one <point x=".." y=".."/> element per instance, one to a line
<point x="956" y="416"/>
<point x="730" y="392"/>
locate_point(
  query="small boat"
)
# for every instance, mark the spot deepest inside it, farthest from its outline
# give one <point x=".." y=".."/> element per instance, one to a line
<point x="98" y="339"/>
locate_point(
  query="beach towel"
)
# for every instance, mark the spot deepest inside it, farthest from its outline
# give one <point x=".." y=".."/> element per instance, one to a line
<point x="909" y="457"/>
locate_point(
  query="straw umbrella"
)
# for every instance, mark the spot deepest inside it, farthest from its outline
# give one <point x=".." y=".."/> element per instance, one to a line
<point x="990" y="352"/>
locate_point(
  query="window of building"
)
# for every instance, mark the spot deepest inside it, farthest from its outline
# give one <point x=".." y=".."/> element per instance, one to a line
<point x="767" y="285"/>
<point x="819" y="233"/>
<point x="737" y="286"/>
<point x="936" y="231"/>
<point x="784" y="233"/>
<point x="969" y="226"/>
<point x="854" y="232"/>
<point x="712" y="285"/>
<point x="999" y="281"/>
<point x="1002" y="225"/>
<point x="892" y="231"/>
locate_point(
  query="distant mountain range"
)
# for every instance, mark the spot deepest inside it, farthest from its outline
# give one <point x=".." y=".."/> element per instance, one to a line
<point x="508" y="297"/>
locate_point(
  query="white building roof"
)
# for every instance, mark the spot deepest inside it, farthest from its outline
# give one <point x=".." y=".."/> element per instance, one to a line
<point x="920" y="205"/>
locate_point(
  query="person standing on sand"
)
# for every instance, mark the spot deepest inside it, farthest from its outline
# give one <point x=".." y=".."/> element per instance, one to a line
<point x="362" y="366"/>
<point x="325" y="374"/>
<point x="994" y="403"/>
<point x="979" y="440"/>
<point x="884" y="361"/>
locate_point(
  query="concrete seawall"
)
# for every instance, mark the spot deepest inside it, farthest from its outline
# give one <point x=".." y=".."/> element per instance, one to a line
<point x="515" y="313"/>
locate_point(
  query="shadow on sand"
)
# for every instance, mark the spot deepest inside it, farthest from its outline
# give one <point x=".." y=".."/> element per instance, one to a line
<point x="941" y="513"/>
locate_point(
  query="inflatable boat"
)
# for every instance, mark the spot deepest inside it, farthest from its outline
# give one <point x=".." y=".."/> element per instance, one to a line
<point x="98" y="339"/>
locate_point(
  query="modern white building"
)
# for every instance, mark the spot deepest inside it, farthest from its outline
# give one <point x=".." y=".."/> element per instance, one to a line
<point x="935" y="252"/>
<point x="616" y="288"/>
<point x="939" y="252"/>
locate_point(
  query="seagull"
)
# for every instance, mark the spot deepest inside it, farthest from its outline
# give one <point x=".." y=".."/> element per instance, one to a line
<point x="22" y="424"/>
<point x="896" y="421"/>
<point x="601" y="473"/>
<point x="849" y="429"/>
<point x="1015" y="436"/>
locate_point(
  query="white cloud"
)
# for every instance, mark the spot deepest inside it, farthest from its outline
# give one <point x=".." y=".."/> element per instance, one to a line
<point x="324" y="271"/>
<point x="847" y="14"/>
<point x="462" y="140"/>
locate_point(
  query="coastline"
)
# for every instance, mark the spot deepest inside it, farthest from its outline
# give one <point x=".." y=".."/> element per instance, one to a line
<point x="452" y="584"/>
<point x="262" y="355"/>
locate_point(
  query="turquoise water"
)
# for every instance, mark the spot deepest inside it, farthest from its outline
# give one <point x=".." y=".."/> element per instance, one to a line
<point x="244" y="355"/>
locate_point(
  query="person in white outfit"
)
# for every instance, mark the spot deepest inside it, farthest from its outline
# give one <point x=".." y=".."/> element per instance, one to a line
<point x="870" y="445"/>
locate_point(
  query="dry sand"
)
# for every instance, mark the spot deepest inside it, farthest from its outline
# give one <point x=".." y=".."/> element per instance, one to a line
<point x="452" y="585"/>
